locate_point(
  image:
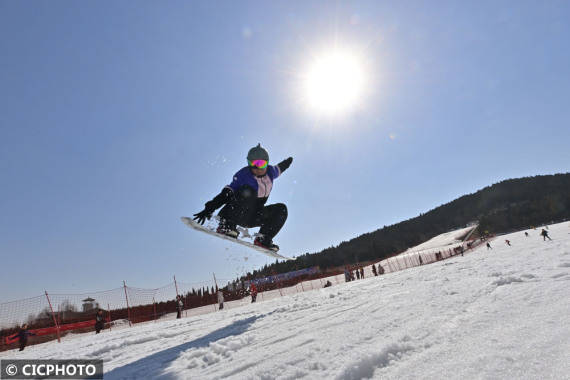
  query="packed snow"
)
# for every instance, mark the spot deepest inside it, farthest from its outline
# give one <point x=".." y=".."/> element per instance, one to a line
<point x="444" y="241"/>
<point x="500" y="313"/>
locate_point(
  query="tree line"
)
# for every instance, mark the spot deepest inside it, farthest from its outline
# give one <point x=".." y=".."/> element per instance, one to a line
<point x="505" y="206"/>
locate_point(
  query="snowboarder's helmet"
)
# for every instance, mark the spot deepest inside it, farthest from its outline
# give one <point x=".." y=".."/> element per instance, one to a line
<point x="257" y="153"/>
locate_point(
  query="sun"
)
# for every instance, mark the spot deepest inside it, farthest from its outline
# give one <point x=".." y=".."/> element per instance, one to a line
<point x="334" y="83"/>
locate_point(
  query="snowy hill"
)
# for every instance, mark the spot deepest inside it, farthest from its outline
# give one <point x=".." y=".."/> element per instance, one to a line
<point x="500" y="314"/>
<point x="443" y="241"/>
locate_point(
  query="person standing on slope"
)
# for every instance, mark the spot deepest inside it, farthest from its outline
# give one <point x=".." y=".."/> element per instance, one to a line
<point x="544" y="235"/>
<point x="23" y="335"/>
<point x="245" y="197"/>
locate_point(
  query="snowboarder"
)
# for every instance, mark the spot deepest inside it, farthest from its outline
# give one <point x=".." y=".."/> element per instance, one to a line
<point x="245" y="197"/>
<point x="488" y="246"/>
<point x="544" y="234"/>
<point x="23" y="335"/>
<point x="99" y="321"/>
<point x="526" y="234"/>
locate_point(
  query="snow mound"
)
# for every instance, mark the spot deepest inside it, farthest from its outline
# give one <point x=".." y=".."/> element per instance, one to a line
<point x="445" y="240"/>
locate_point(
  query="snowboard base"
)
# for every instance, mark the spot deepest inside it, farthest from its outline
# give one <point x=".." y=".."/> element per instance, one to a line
<point x="244" y="233"/>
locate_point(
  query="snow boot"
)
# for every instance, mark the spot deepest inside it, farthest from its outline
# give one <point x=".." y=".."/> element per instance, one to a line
<point x="227" y="229"/>
<point x="263" y="243"/>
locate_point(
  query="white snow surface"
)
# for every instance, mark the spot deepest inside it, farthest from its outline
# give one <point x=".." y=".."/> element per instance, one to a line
<point x="491" y="314"/>
<point x="446" y="240"/>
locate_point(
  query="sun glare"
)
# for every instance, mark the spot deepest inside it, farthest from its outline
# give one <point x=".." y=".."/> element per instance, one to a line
<point x="334" y="83"/>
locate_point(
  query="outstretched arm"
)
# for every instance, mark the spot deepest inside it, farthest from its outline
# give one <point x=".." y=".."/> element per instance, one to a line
<point x="284" y="165"/>
<point x="219" y="200"/>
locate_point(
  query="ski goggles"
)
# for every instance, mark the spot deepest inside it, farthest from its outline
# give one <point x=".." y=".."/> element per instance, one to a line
<point x="260" y="164"/>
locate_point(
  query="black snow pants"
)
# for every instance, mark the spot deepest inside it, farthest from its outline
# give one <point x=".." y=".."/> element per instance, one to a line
<point x="245" y="210"/>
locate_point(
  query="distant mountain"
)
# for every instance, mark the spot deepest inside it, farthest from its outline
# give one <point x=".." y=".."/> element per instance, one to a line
<point x="505" y="206"/>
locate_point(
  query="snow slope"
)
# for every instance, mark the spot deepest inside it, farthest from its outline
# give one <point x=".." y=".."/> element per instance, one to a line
<point x="444" y="241"/>
<point x="497" y="314"/>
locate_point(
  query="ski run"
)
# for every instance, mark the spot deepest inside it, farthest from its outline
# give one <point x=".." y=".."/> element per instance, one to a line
<point x="500" y="313"/>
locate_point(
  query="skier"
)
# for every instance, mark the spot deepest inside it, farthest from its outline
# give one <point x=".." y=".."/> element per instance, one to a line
<point x="488" y="246"/>
<point x="220" y="299"/>
<point x="99" y="321"/>
<point x="23" y="335"/>
<point x="244" y="199"/>
<point x="179" y="307"/>
<point x="253" y="291"/>
<point x="508" y="242"/>
<point x="526" y="234"/>
<point x="544" y="235"/>
<point x="380" y="269"/>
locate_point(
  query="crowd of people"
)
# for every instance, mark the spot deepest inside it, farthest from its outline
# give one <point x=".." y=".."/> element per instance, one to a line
<point x="351" y="274"/>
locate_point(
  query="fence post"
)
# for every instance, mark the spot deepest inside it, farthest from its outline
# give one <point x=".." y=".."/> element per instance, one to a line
<point x="127" y="298"/>
<point x="176" y="287"/>
<point x="53" y="316"/>
<point x="109" y="310"/>
<point x="154" y="308"/>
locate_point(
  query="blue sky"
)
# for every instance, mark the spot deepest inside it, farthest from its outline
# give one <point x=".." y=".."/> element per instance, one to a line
<point x="117" y="118"/>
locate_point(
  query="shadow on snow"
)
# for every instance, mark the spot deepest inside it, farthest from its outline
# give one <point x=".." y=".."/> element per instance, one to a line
<point x="152" y="367"/>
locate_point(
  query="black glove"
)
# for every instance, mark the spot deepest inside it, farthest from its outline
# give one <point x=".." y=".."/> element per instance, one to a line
<point x="203" y="215"/>
<point x="283" y="165"/>
<point x="221" y="199"/>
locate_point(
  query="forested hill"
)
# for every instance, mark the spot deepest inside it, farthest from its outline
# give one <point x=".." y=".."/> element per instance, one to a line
<point x="507" y="205"/>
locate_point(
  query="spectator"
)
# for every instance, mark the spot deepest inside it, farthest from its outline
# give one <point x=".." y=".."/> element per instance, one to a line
<point x="508" y="242"/>
<point x="179" y="307"/>
<point x="221" y="299"/>
<point x="380" y="269"/>
<point x="23" y="335"/>
<point x="544" y="234"/>
<point x="346" y="275"/>
<point x="357" y="274"/>
<point x="374" y="270"/>
<point x="99" y="321"/>
<point x="361" y="272"/>
<point x="253" y="291"/>
<point x="488" y="246"/>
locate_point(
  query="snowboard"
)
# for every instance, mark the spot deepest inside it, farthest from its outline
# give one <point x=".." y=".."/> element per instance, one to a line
<point x="244" y="234"/>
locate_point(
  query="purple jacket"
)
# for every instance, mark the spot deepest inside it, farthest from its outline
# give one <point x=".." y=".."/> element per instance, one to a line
<point x="261" y="185"/>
